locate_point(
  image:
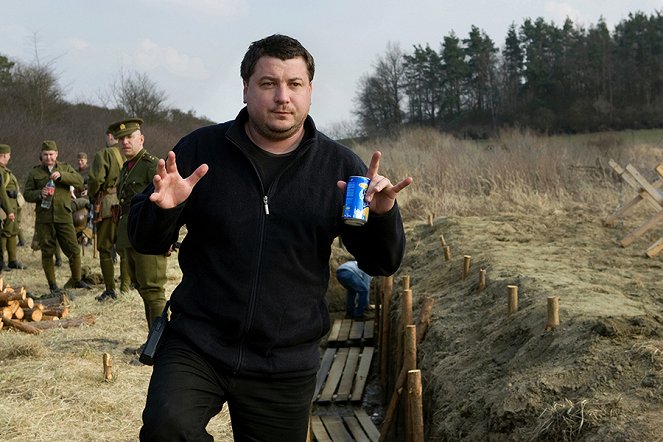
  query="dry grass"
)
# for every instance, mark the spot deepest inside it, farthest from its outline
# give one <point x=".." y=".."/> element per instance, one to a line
<point x="52" y="385"/>
<point x="518" y="172"/>
<point x="565" y="421"/>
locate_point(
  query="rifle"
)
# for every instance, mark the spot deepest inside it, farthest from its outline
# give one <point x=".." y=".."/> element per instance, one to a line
<point x="95" y="218"/>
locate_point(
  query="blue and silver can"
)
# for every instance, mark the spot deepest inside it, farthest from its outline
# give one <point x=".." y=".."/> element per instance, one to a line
<point x="355" y="209"/>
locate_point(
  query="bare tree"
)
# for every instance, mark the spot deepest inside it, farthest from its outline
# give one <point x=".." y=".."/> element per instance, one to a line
<point x="380" y="94"/>
<point x="137" y="95"/>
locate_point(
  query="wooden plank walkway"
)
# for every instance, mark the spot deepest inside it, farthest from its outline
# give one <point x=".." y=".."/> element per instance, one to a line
<point x="349" y="333"/>
<point x="356" y="427"/>
<point x="343" y="374"/>
<point x="342" y="377"/>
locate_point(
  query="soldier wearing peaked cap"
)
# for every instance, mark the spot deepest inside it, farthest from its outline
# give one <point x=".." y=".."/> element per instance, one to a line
<point x="55" y="222"/>
<point x="147" y="272"/>
<point x="9" y="201"/>
<point x="102" y="188"/>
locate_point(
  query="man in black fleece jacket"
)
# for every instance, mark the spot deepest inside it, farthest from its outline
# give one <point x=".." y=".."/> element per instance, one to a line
<point x="262" y="203"/>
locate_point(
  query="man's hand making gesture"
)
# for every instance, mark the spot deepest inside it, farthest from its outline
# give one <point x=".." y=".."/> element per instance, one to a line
<point x="381" y="194"/>
<point x="170" y="189"/>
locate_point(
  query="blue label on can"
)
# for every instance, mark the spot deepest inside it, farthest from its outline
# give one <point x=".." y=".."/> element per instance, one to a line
<point x="355" y="209"/>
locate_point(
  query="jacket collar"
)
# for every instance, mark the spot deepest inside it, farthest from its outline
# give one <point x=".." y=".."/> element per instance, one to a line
<point x="237" y="135"/>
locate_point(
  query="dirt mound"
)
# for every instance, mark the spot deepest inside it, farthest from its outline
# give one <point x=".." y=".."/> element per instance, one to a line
<point x="493" y="376"/>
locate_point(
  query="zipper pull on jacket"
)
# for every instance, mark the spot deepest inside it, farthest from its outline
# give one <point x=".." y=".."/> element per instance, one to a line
<point x="264" y="201"/>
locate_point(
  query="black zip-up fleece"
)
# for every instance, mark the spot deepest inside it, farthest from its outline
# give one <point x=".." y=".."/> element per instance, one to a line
<point x="255" y="261"/>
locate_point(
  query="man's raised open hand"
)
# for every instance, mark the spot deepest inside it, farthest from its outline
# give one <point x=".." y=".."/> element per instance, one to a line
<point x="170" y="189"/>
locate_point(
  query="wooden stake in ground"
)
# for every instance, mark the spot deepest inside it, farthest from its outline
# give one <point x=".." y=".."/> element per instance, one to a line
<point x="406" y="282"/>
<point x="424" y="317"/>
<point x="513" y="298"/>
<point x="467" y="259"/>
<point x="430" y="219"/>
<point x="553" y="313"/>
<point x="411" y="352"/>
<point x="442" y="241"/>
<point x="108" y="368"/>
<point x="415" y="399"/>
<point x="447" y="253"/>
<point x="482" y="280"/>
<point x="407" y="318"/>
<point x="387" y="288"/>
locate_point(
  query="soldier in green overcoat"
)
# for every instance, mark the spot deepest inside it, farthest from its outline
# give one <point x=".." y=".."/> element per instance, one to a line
<point x="147" y="272"/>
<point x="102" y="189"/>
<point x="55" y="222"/>
<point x="8" y="200"/>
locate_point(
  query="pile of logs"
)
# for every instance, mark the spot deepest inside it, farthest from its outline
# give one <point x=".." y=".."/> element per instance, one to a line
<point x="23" y="313"/>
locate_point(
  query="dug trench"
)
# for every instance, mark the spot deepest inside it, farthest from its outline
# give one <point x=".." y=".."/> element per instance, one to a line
<point x="489" y="374"/>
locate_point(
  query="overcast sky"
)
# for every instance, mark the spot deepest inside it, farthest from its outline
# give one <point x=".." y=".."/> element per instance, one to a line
<point x="192" y="48"/>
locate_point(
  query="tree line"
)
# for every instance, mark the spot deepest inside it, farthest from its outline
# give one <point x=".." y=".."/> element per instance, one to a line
<point x="555" y="79"/>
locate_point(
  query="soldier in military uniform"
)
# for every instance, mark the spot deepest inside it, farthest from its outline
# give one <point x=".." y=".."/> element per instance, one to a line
<point x="8" y="201"/>
<point x="55" y="222"/>
<point x="147" y="272"/>
<point x="102" y="182"/>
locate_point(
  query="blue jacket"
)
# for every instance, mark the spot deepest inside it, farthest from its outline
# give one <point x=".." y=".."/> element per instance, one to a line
<point x="255" y="261"/>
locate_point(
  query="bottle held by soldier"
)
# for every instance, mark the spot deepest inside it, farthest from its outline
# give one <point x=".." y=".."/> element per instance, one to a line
<point x="46" y="202"/>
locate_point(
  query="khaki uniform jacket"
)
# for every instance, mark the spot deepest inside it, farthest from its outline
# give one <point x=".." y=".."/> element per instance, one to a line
<point x="103" y="176"/>
<point x="135" y="175"/>
<point x="9" y="185"/>
<point x="60" y="211"/>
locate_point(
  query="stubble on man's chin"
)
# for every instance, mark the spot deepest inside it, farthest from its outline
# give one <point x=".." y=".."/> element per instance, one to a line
<point x="280" y="134"/>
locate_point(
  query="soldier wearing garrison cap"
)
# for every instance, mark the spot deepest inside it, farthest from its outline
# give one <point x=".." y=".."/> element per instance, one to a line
<point x="55" y="223"/>
<point x="102" y="188"/>
<point x="9" y="201"/>
<point x="147" y="272"/>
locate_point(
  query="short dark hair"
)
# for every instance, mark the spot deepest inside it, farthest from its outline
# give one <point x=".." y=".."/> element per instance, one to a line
<point x="278" y="46"/>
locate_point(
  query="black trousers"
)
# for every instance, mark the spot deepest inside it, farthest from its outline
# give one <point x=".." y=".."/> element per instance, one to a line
<point x="186" y="391"/>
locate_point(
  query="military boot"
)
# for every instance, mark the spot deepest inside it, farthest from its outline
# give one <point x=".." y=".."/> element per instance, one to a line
<point x="16" y="265"/>
<point x="107" y="295"/>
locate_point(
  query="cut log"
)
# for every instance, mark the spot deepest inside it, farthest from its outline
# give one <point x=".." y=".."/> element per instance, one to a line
<point x="55" y="301"/>
<point x="7" y="312"/>
<point x="65" y="323"/>
<point x="13" y="306"/>
<point x="9" y="294"/>
<point x="22" y="326"/>
<point x="27" y="303"/>
<point x="32" y="314"/>
<point x="49" y="318"/>
<point x="61" y="311"/>
<point x="19" y="313"/>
